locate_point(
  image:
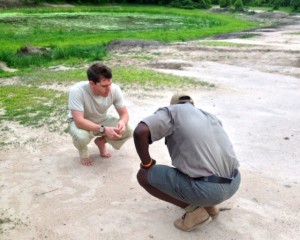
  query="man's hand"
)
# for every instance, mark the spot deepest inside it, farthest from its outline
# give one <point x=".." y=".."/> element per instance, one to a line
<point x="112" y="133"/>
<point x="121" y="127"/>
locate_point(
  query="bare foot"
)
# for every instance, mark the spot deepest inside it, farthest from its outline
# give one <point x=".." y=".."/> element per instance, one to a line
<point x="86" y="161"/>
<point x="100" y="142"/>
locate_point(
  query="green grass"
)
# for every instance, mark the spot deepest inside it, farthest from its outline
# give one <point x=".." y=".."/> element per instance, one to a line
<point x="46" y="76"/>
<point x="90" y="26"/>
<point x="7" y="74"/>
<point x="33" y="106"/>
<point x="127" y="77"/>
<point x="82" y="32"/>
<point x="91" y="53"/>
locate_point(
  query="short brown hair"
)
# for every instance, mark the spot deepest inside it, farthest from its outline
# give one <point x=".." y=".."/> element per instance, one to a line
<point x="97" y="71"/>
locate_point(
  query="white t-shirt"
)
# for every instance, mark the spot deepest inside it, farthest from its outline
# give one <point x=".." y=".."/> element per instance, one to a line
<point x="82" y="99"/>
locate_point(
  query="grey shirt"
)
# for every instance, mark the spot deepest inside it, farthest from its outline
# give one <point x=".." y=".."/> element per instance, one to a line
<point x="196" y="140"/>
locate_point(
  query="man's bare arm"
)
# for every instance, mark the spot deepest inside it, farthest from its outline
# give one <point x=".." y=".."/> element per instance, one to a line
<point x="141" y="140"/>
<point x="124" y="118"/>
<point x="83" y="123"/>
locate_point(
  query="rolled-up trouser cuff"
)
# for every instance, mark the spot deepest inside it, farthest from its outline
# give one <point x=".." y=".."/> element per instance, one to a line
<point x="81" y="138"/>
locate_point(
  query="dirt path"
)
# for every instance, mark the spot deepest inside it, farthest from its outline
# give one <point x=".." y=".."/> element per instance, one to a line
<point x="47" y="194"/>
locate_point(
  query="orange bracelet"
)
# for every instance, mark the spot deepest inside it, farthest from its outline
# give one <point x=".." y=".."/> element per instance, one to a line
<point x="147" y="165"/>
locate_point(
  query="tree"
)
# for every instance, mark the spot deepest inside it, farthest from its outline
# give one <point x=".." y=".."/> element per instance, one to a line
<point x="295" y="4"/>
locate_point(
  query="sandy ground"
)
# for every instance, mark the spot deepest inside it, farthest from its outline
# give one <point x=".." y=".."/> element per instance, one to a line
<point x="47" y="194"/>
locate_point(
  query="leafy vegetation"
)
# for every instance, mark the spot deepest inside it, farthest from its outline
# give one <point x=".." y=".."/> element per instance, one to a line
<point x="80" y="34"/>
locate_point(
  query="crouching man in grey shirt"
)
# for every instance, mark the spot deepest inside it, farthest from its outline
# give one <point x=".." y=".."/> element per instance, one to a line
<point x="205" y="168"/>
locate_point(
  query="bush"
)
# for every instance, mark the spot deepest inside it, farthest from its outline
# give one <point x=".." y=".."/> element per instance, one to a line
<point x="238" y="5"/>
<point x="258" y="3"/>
<point x="188" y="4"/>
<point x="295" y="4"/>
<point x="203" y="3"/>
<point x="276" y="4"/>
<point x="225" y="3"/>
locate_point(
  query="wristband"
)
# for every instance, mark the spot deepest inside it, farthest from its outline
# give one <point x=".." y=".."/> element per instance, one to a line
<point x="147" y="165"/>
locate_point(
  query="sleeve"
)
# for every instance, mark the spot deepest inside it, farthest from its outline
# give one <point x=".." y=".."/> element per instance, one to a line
<point x="160" y="124"/>
<point x="75" y="100"/>
<point x="119" y="99"/>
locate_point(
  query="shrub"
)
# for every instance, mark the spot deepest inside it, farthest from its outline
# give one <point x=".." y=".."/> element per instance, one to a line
<point x="276" y="4"/>
<point x="258" y="2"/>
<point x="295" y="4"/>
<point x="225" y="3"/>
<point x="238" y="5"/>
<point x="203" y="3"/>
<point x="188" y="4"/>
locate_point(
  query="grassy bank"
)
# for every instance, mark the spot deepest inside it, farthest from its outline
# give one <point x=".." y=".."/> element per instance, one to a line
<point x="78" y="35"/>
<point x="81" y="33"/>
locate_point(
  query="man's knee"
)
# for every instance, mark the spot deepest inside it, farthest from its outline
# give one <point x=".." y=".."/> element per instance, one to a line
<point x="142" y="177"/>
<point x="81" y="138"/>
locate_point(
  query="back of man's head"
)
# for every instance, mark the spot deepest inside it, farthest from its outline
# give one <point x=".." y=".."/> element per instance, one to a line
<point x="179" y="98"/>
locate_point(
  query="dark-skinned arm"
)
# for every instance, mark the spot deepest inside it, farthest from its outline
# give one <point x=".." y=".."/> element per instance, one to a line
<point x="142" y="137"/>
